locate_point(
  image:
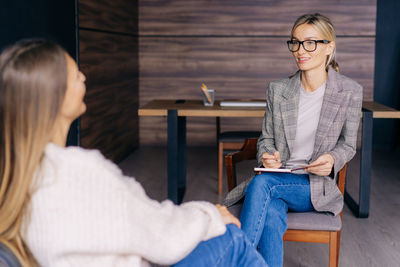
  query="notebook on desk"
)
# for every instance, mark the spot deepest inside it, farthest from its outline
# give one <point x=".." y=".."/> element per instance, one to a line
<point x="242" y="103"/>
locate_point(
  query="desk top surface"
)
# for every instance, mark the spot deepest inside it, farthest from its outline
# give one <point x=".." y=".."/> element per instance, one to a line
<point x="381" y="111"/>
<point x="195" y="108"/>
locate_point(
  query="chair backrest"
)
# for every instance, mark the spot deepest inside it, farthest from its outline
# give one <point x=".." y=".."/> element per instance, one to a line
<point x="7" y="258"/>
<point x="248" y="152"/>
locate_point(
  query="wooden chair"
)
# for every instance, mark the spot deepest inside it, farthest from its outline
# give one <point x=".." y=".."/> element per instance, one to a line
<point x="302" y="226"/>
<point x="230" y="141"/>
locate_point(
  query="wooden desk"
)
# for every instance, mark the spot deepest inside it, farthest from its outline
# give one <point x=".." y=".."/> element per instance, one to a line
<point x="176" y="117"/>
<point x="195" y="108"/>
<point x="177" y="113"/>
<point x="370" y="110"/>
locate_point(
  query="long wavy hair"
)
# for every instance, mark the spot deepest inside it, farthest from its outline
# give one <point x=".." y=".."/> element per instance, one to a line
<point x="33" y="80"/>
<point x="325" y="27"/>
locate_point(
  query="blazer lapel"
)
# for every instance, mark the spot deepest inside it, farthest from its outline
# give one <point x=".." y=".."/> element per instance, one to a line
<point x="333" y="98"/>
<point x="289" y="109"/>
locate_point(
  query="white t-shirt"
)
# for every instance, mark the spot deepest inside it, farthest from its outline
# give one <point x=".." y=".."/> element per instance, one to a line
<point x="310" y="105"/>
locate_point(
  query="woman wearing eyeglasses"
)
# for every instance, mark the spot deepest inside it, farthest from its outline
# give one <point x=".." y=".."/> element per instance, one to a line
<point x="311" y="118"/>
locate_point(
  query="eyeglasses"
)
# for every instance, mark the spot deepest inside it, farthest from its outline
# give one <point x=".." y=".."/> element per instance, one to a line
<point x="308" y="45"/>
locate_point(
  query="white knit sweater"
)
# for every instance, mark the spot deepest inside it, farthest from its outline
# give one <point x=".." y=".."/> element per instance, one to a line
<point x="84" y="212"/>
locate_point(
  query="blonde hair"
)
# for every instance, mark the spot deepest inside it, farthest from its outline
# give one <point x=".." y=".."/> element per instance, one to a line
<point x="325" y="27"/>
<point x="33" y="80"/>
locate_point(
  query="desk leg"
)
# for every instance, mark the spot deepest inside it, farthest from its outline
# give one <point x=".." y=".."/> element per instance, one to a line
<point x="176" y="156"/>
<point x="361" y="210"/>
<point x="181" y="158"/>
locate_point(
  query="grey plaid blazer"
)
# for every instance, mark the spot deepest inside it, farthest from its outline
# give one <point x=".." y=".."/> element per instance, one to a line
<point x="336" y="133"/>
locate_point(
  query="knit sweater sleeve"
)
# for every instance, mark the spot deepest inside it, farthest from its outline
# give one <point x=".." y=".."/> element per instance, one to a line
<point x="171" y="232"/>
<point x="89" y="207"/>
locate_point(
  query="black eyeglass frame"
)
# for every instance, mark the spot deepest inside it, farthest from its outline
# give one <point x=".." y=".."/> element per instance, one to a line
<point x="302" y="43"/>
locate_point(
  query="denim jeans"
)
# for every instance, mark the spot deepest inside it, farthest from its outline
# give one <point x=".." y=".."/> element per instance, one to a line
<point x="228" y="250"/>
<point x="264" y="213"/>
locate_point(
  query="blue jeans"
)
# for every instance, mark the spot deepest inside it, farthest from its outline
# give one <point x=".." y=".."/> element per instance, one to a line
<point x="230" y="249"/>
<point x="264" y="213"/>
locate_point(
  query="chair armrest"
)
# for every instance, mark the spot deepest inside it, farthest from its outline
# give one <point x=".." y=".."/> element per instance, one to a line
<point x="247" y="152"/>
<point x="230" y="171"/>
<point x="342" y="178"/>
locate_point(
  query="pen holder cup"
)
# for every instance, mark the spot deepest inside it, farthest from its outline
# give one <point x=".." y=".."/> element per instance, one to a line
<point x="211" y="93"/>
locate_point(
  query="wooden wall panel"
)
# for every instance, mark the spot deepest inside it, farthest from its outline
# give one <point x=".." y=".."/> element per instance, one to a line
<point x="235" y="67"/>
<point x="109" y="59"/>
<point x="250" y="17"/>
<point x="237" y="47"/>
<point x="175" y="67"/>
<point x="116" y="16"/>
<point x="110" y="64"/>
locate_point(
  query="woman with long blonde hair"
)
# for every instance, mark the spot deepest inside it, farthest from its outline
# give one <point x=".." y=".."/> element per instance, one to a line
<point x="67" y="206"/>
<point x="26" y="128"/>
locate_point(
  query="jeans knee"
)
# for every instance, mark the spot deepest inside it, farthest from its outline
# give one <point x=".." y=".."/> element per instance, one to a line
<point x="259" y="183"/>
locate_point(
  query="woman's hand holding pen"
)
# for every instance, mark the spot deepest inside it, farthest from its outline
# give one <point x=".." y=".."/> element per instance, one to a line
<point x="270" y="160"/>
<point x="323" y="169"/>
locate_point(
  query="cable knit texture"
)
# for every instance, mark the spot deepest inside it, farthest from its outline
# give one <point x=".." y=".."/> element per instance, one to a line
<point x="84" y="212"/>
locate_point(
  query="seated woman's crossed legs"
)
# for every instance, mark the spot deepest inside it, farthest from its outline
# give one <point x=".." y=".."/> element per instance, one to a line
<point x="267" y="199"/>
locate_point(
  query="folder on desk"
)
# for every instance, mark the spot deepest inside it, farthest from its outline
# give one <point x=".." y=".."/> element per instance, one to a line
<point x="241" y="103"/>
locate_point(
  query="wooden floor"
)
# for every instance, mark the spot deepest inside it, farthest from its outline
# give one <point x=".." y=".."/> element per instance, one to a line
<point x="365" y="242"/>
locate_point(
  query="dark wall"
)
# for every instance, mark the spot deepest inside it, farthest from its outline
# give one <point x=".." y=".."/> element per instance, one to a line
<point x="109" y="59"/>
<point x="41" y="18"/>
<point x="387" y="71"/>
<point x="107" y="46"/>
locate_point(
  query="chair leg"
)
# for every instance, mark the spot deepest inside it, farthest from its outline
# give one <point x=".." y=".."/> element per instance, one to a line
<point x="333" y="249"/>
<point x="338" y="247"/>
<point x="220" y="166"/>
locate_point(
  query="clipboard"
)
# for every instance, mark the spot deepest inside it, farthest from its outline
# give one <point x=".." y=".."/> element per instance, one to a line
<point x="259" y="170"/>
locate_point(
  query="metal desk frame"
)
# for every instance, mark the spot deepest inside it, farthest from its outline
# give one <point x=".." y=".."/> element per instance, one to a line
<point x="361" y="209"/>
